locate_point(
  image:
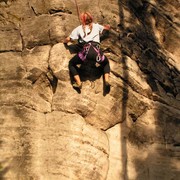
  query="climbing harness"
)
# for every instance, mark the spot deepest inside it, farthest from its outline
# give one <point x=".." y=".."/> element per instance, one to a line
<point x="83" y="54"/>
<point x="96" y="47"/>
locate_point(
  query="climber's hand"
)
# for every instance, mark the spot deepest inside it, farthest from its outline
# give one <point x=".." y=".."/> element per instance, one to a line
<point x="66" y="40"/>
<point x="107" y="27"/>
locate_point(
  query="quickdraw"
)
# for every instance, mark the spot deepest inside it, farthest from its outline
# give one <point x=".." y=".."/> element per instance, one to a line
<point x="83" y="54"/>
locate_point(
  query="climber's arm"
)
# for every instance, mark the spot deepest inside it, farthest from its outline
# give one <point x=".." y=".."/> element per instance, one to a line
<point x="66" y="40"/>
<point x="107" y="27"/>
<point x="105" y="32"/>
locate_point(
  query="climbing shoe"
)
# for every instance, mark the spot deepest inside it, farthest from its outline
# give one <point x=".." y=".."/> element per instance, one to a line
<point x="107" y="84"/>
<point x="107" y="87"/>
<point x="76" y="86"/>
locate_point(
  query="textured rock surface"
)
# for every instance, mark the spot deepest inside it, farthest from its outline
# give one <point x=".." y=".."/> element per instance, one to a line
<point x="50" y="131"/>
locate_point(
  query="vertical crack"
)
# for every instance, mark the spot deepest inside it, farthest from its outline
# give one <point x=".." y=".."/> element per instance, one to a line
<point x="52" y="78"/>
<point x="22" y="40"/>
<point x="33" y="10"/>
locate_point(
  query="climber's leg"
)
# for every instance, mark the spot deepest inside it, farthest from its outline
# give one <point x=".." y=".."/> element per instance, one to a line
<point x="106" y="69"/>
<point x="74" y="70"/>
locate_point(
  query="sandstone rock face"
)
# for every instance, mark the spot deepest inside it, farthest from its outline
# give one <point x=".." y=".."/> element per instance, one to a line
<point x="50" y="131"/>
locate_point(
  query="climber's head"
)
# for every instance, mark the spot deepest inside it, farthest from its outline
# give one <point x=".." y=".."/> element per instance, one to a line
<point x="86" y="18"/>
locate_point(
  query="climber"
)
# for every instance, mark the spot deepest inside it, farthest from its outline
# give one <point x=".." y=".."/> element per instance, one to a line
<point x="88" y="35"/>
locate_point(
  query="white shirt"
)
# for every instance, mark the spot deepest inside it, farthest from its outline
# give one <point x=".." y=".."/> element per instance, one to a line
<point x="93" y="36"/>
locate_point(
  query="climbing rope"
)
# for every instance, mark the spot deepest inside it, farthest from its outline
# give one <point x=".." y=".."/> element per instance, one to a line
<point x="78" y="12"/>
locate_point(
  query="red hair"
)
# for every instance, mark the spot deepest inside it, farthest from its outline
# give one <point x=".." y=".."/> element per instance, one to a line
<point x="86" y="18"/>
